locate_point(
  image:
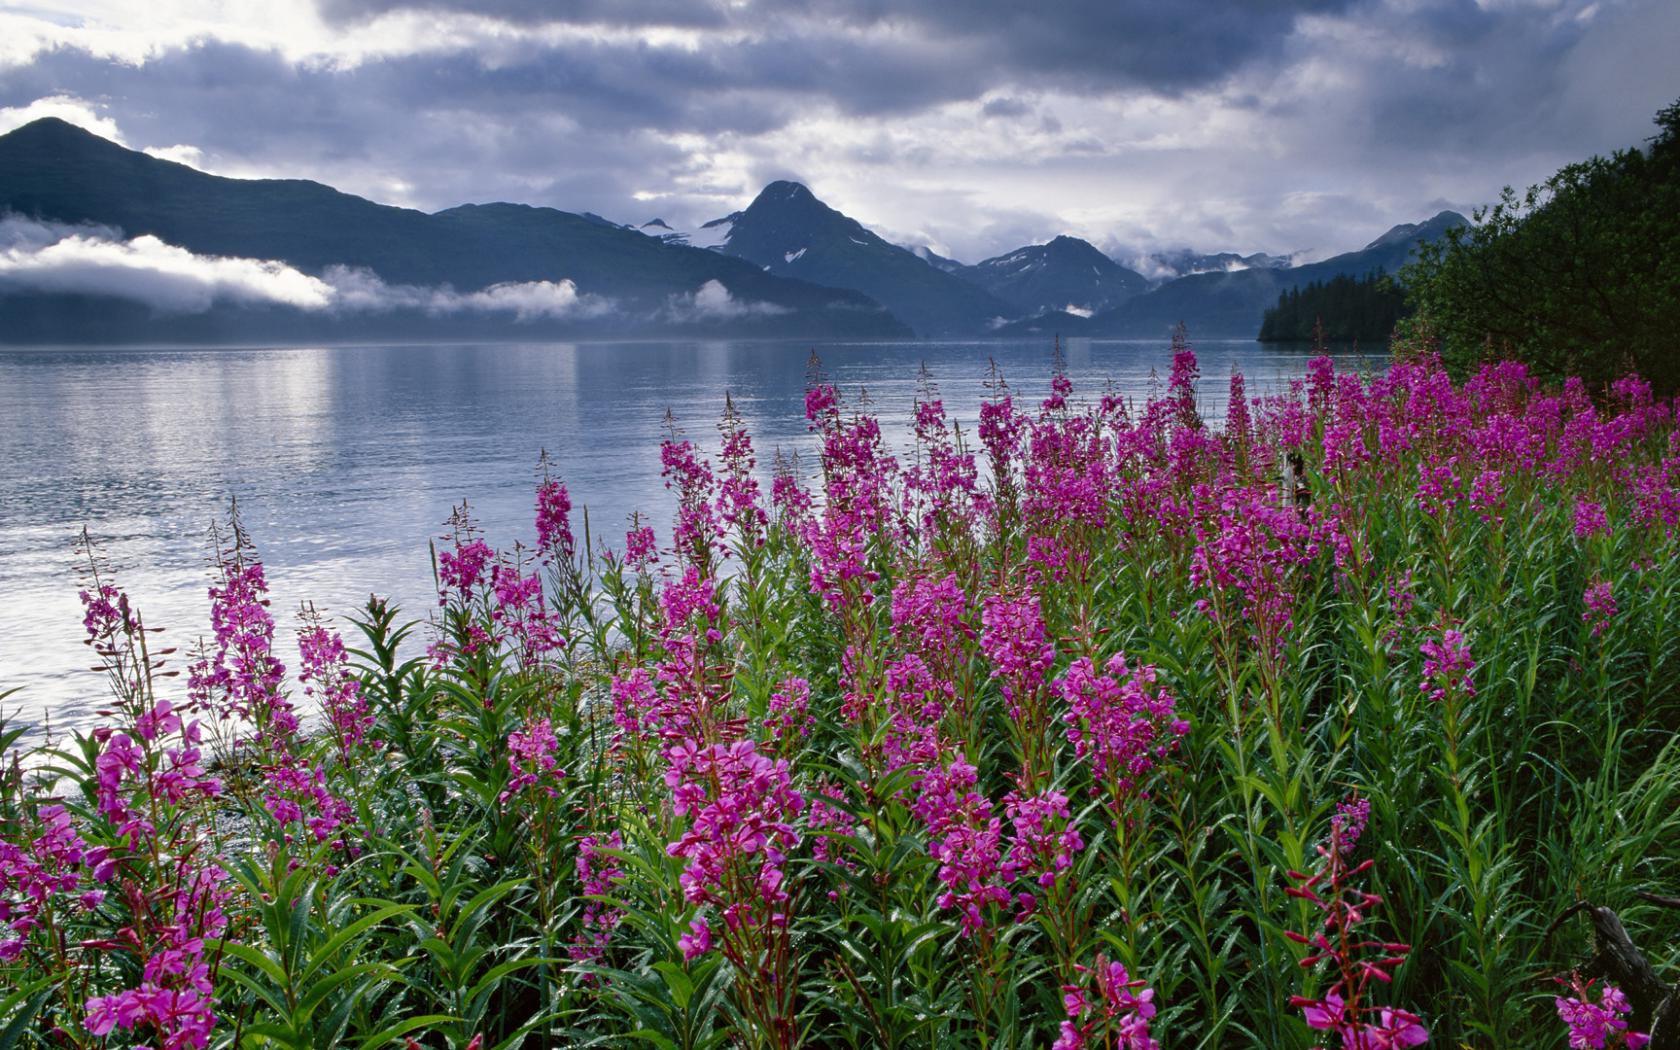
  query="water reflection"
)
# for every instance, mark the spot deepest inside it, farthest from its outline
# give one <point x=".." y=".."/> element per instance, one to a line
<point x="346" y="460"/>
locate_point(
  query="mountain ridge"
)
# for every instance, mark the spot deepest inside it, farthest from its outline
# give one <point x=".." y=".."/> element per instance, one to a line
<point x="1231" y="304"/>
<point x="52" y="170"/>
<point x="788" y="263"/>
<point x="790" y="232"/>
<point x="1064" y="273"/>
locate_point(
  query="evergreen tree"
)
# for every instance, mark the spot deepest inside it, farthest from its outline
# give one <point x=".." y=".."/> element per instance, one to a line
<point x="1349" y="308"/>
<point x="1579" y="275"/>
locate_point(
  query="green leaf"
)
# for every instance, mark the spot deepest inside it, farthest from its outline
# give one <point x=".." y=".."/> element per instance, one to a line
<point x="402" y="1028"/>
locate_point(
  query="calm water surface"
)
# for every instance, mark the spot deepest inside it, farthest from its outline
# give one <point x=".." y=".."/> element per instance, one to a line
<point x="345" y="461"/>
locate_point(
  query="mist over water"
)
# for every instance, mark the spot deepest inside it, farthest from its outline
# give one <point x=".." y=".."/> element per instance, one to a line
<point x="346" y="461"/>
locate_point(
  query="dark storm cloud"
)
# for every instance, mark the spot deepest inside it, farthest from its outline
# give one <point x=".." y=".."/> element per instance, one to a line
<point x="1452" y="82"/>
<point x="638" y="13"/>
<point x="426" y="121"/>
<point x="1497" y="75"/>
<point x="1007" y="106"/>
<point x="1083" y="45"/>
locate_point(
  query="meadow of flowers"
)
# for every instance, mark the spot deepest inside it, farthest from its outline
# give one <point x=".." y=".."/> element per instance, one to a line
<point x="1343" y="723"/>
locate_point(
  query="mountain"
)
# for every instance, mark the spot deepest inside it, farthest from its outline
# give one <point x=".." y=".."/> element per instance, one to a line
<point x="1068" y="275"/>
<point x="1185" y="262"/>
<point x="934" y="259"/>
<point x="470" y="269"/>
<point x="102" y="243"/>
<point x="789" y="232"/>
<point x="714" y="234"/>
<point x="1230" y="304"/>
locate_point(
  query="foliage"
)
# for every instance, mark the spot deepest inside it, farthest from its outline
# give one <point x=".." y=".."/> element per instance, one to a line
<point x="1579" y="275"/>
<point x="1343" y="309"/>
<point x="1117" y="728"/>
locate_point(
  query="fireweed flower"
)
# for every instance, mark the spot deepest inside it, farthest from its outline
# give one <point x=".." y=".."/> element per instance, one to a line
<point x="522" y="616"/>
<point x="792" y="503"/>
<point x="1487" y="496"/>
<point x="825" y="818"/>
<point x="1348" y="824"/>
<point x="697" y="941"/>
<point x="243" y="671"/>
<point x="1600" y="604"/>
<point x="915" y="703"/>
<point x="965" y="839"/>
<point x="857" y="483"/>
<point x="1112" y="1011"/>
<point x="1656" y="492"/>
<point x="1249" y="556"/>
<point x="691" y="602"/>
<point x="693" y="690"/>
<point x="1237" y="425"/>
<point x="1045" y="840"/>
<point x="1067" y="484"/>
<point x="1000" y="430"/>
<point x="1358" y="964"/>
<point x="1121" y="721"/>
<point x="1061" y="387"/>
<point x="1590" y="519"/>
<point x="740" y="807"/>
<point x="462" y="569"/>
<point x="1597" y="1025"/>
<point x="323" y="670"/>
<point x="821" y="403"/>
<point x="106" y="612"/>
<point x="928" y="618"/>
<point x="697" y="527"/>
<point x="1014" y="641"/>
<point x="554" y="525"/>
<point x="175" y="997"/>
<point x="150" y="785"/>
<point x="1181" y="383"/>
<point x="245" y="674"/>
<point x="634" y="703"/>
<point x="598" y="876"/>
<point x="1447" y="665"/>
<point x="531" y="760"/>
<point x="738" y="494"/>
<point x="47" y="873"/>
<point x="296" y="791"/>
<point x="789" y="710"/>
<point x="1439" y="490"/>
<point x="944" y="481"/>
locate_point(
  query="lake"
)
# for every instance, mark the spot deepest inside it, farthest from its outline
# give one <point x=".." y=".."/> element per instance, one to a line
<point x="346" y="460"/>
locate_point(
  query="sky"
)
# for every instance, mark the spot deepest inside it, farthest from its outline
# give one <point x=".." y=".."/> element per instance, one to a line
<point x="970" y="126"/>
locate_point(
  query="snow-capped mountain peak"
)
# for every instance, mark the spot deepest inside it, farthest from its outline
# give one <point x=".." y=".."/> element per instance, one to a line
<point x="713" y="234"/>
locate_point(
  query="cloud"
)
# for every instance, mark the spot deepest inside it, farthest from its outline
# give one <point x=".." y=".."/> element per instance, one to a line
<point x="639" y="13"/>
<point x="64" y="107"/>
<point x="978" y="125"/>
<point x="1005" y="106"/>
<point x="360" y="290"/>
<point x="713" y="302"/>
<point x="952" y="48"/>
<point x="91" y="261"/>
<point x="532" y="300"/>
<point x="95" y="260"/>
<point x="180" y="153"/>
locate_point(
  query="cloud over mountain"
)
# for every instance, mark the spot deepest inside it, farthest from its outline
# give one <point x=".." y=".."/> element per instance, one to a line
<point x="713" y="302"/>
<point x="96" y="260"/>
